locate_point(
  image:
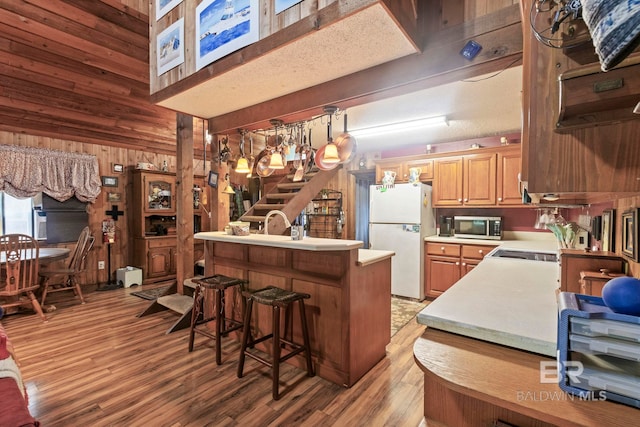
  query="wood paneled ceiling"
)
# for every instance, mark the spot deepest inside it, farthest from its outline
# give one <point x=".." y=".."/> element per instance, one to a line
<point x="79" y="70"/>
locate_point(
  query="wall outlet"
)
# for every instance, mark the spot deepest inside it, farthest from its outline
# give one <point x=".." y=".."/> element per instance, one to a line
<point x="100" y="265"/>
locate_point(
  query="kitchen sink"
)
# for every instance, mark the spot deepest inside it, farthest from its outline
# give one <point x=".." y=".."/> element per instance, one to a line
<point x="523" y="255"/>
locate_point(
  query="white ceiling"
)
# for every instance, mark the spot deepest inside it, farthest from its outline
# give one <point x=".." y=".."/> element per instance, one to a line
<point x="483" y="106"/>
<point x="316" y="58"/>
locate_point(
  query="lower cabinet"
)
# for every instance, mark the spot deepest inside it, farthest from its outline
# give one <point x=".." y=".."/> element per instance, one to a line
<point x="156" y="257"/>
<point x="446" y="263"/>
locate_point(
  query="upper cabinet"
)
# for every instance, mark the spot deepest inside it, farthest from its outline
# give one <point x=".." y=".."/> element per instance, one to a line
<point x="486" y="177"/>
<point x="468" y="180"/>
<point x="600" y="156"/>
<point x="402" y="169"/>
<point x="292" y="46"/>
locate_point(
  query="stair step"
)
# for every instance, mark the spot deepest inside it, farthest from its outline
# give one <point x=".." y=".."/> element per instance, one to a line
<point x="290" y="185"/>
<point x="269" y="206"/>
<point x="253" y="218"/>
<point x="176" y="302"/>
<point x="307" y="176"/>
<point x="280" y="196"/>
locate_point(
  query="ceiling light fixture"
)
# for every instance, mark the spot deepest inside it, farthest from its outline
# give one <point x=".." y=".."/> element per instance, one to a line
<point x="330" y="150"/>
<point x="229" y="189"/>
<point x="400" y="126"/>
<point x="242" y="166"/>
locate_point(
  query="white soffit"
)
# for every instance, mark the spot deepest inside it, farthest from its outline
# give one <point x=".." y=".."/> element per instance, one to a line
<point x="362" y="40"/>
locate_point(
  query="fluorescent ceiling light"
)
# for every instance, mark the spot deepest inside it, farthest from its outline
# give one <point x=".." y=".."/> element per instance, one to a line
<point x="400" y="126"/>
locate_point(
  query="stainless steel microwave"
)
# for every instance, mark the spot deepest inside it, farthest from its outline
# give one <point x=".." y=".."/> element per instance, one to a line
<point x="478" y="227"/>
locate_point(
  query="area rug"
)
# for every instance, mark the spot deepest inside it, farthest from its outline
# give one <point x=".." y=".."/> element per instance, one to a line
<point x="403" y="311"/>
<point x="151" y="294"/>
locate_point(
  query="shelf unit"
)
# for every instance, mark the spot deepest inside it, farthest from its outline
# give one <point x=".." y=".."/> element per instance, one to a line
<point x="324" y="216"/>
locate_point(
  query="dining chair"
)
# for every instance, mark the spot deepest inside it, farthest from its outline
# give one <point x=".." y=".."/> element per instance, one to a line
<point x="66" y="279"/>
<point x="19" y="272"/>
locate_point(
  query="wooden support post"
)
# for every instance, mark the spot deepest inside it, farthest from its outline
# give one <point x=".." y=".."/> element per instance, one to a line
<point x="184" y="203"/>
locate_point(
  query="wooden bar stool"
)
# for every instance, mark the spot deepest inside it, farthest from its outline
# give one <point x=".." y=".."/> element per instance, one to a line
<point x="223" y="325"/>
<point x="276" y="298"/>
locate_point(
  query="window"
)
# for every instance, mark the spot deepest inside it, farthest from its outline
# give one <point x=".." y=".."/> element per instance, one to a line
<point x="17" y="215"/>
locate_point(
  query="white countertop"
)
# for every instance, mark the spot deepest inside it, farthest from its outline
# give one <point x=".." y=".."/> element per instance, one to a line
<point x="308" y="243"/>
<point x="370" y="256"/>
<point x="506" y="301"/>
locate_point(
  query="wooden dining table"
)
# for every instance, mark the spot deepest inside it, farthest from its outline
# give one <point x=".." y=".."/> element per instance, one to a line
<point x="46" y="256"/>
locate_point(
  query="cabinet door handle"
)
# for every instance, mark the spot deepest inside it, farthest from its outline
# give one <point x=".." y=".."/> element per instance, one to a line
<point x="466" y="200"/>
<point x="442" y="248"/>
<point x="480" y="251"/>
<point x="499" y="199"/>
<point x="464" y="264"/>
<point x="457" y="262"/>
<point x="459" y="200"/>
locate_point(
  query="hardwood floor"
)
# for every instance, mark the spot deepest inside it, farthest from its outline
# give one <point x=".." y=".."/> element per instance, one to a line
<point x="98" y="364"/>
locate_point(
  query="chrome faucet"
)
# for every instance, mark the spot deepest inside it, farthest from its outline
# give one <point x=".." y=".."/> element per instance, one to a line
<point x="269" y="214"/>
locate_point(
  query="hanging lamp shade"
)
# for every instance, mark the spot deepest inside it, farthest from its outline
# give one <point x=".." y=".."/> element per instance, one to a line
<point x="276" y="161"/>
<point x="331" y="154"/>
<point x="242" y="166"/>
<point x="229" y="190"/>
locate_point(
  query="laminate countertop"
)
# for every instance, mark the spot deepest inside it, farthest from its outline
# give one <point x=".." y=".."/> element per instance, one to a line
<point x="505" y="301"/>
<point x="279" y="241"/>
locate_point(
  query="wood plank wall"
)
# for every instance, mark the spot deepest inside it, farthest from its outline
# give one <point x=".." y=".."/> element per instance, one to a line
<point x="79" y="70"/>
<point x="107" y="156"/>
<point x="74" y="76"/>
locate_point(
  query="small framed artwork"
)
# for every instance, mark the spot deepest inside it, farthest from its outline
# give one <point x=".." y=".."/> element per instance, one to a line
<point x="109" y="181"/>
<point x="608" y="229"/>
<point x="213" y="179"/>
<point x="630" y="233"/>
<point x="118" y="168"/>
<point x="282" y="5"/>
<point x="113" y="197"/>
<point x="170" y="47"/>
<point x="164" y="6"/>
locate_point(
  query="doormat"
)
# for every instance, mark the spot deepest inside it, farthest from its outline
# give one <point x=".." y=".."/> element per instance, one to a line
<point x="152" y="294"/>
<point x="403" y="311"/>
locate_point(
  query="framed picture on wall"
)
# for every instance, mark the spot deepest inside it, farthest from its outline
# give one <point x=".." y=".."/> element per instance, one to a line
<point x="109" y="181"/>
<point x="282" y="5"/>
<point x="164" y="6"/>
<point x="608" y="230"/>
<point x="222" y="27"/>
<point x="213" y="179"/>
<point x="170" y="47"/>
<point x="630" y="233"/>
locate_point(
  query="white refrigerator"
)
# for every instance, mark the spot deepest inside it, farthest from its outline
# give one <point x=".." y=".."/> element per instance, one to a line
<point x="400" y="217"/>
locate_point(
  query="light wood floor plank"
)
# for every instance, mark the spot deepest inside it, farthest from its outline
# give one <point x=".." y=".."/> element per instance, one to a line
<point x="98" y="364"/>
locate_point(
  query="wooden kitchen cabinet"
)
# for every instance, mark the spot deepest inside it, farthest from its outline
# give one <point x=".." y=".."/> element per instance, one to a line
<point x="479" y="177"/>
<point x="508" y="189"/>
<point x="401" y="168"/>
<point x="468" y="180"/>
<point x="602" y="156"/>
<point x="446" y="263"/>
<point x="447" y="182"/>
<point x="574" y="261"/>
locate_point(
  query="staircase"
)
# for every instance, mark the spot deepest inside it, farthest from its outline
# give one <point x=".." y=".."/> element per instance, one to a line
<point x="288" y="197"/>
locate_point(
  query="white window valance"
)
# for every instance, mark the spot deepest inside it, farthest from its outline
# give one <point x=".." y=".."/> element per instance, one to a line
<point x="27" y="171"/>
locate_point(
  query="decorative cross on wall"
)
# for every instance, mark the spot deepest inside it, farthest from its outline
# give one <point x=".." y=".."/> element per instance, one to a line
<point x="114" y="212"/>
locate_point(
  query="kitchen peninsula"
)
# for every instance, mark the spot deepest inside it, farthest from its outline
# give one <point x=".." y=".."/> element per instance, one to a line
<point x="349" y="311"/>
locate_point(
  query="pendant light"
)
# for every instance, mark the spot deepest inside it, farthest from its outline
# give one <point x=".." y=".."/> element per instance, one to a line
<point x="276" y="161"/>
<point x="330" y="150"/>
<point x="242" y="166"/>
<point x="229" y="189"/>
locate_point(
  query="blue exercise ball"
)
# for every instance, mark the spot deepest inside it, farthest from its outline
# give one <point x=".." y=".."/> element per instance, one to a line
<point x="622" y="295"/>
